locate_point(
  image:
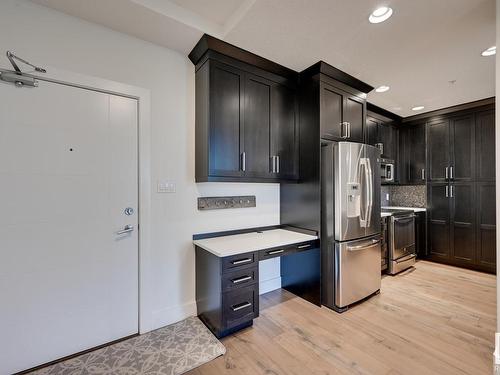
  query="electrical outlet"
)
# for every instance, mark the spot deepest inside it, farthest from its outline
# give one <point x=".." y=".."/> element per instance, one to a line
<point x="166" y="187"/>
<point x="386" y="196"/>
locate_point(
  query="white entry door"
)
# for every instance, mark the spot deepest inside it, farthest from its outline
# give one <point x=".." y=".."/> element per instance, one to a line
<point x="68" y="172"/>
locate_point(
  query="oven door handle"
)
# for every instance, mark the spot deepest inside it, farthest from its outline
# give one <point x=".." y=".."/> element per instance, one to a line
<point x="403" y="218"/>
<point x="406" y="258"/>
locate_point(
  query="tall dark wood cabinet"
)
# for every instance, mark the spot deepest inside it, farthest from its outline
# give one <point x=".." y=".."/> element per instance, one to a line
<point x="461" y="188"/>
<point x="411" y="157"/>
<point x="246" y="116"/>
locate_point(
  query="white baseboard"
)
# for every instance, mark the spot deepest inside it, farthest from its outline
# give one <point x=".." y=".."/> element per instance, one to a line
<point x="269" y="285"/>
<point x="164" y="317"/>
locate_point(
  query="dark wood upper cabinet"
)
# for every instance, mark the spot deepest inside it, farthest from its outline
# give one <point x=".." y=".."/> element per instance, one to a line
<point x="246" y="124"/>
<point x="284" y="131"/>
<point x="462" y="148"/>
<point x="485" y="145"/>
<point x="223" y="112"/>
<point x="412" y="154"/>
<point x="372" y="125"/>
<point x="256" y="129"/>
<point x="439" y="150"/>
<point x="342" y="115"/>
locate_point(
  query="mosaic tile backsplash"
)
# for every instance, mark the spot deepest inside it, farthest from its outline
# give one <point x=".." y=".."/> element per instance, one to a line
<point x="405" y="195"/>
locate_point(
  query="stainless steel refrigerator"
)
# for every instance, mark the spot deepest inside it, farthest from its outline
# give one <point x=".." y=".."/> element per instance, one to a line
<point x="350" y="223"/>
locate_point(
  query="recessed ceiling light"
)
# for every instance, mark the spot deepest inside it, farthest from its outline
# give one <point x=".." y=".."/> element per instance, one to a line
<point x="418" y="108"/>
<point x="382" y="88"/>
<point x="490" y="51"/>
<point x="380" y="15"/>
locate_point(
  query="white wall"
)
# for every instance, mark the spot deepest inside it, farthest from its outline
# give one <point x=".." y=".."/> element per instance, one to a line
<point x="50" y="38"/>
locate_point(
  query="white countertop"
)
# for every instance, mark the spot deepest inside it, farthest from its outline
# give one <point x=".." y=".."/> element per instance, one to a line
<point x="243" y="243"/>
<point x="415" y="209"/>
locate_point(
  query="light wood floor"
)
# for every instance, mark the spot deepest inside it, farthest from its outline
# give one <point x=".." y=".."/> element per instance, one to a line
<point x="434" y="319"/>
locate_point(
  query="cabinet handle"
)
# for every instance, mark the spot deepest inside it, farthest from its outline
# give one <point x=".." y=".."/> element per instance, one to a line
<point x="242" y="261"/>
<point x="272" y="252"/>
<point x="451" y="191"/>
<point x="241" y="306"/>
<point x="304" y="246"/>
<point x="243" y="161"/>
<point x="273" y="164"/>
<point x="446" y="191"/>
<point x="423" y="174"/>
<point x="241" y="279"/>
<point x="451" y="173"/>
<point x="446" y="173"/>
<point x="277" y="164"/>
<point x="342" y="126"/>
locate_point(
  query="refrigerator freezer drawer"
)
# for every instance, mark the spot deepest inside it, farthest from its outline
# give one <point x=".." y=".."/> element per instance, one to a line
<point x="357" y="266"/>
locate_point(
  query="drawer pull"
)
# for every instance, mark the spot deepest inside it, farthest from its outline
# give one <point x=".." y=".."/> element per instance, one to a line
<point x="241" y="279"/>
<point x="304" y="246"/>
<point x="242" y="261"/>
<point x="241" y="306"/>
<point x="272" y="252"/>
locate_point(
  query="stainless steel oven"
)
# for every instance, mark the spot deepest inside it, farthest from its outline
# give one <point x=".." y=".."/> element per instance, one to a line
<point x="402" y="250"/>
<point x="386" y="170"/>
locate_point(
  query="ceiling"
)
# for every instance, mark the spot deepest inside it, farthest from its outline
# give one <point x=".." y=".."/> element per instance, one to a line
<point x="428" y="52"/>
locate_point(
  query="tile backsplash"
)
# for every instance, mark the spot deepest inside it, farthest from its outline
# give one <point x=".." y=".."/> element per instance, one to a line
<point x="405" y="195"/>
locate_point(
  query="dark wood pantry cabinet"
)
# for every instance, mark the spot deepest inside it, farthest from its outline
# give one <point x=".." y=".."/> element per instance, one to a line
<point x="246" y="116"/>
<point x="461" y="188"/>
<point x="411" y="156"/>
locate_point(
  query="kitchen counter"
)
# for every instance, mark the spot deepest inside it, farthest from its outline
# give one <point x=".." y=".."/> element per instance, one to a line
<point x="415" y="209"/>
<point x="255" y="241"/>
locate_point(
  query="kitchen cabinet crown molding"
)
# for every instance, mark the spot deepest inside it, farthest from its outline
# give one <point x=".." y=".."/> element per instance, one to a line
<point x="210" y="43"/>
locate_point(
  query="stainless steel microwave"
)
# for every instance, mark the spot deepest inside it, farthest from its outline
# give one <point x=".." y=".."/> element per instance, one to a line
<point x="386" y="170"/>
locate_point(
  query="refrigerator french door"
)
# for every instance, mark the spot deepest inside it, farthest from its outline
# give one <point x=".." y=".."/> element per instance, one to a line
<point x="350" y="223"/>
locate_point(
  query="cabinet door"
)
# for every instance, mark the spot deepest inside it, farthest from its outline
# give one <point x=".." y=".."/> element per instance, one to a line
<point x="387" y="136"/>
<point x="355" y="116"/>
<point x="226" y="108"/>
<point x="439" y="150"/>
<point x="371" y="131"/>
<point x="403" y="159"/>
<point x="462" y="133"/>
<point x="463" y="222"/>
<point x="331" y="113"/>
<point x="416" y="153"/>
<point x="439" y="220"/>
<point x="284" y="131"/>
<point x="485" y="146"/>
<point x="486" y="228"/>
<point x="256" y="130"/>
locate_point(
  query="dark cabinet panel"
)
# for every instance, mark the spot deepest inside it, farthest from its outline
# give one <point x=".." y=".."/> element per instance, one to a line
<point x="486" y="228"/>
<point x="226" y="102"/>
<point x="439" y="150"/>
<point x="354" y="115"/>
<point x="284" y="132"/>
<point x="462" y="154"/>
<point x="342" y="115"/>
<point x="257" y="124"/>
<point x="485" y="146"/>
<point x="416" y="154"/>
<point x="439" y="220"/>
<point x="463" y="222"/>
<point x="371" y="131"/>
<point x="388" y="137"/>
<point x="331" y="113"/>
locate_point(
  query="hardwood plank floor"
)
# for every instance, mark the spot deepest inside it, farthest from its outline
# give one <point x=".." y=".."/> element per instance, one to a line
<point x="433" y="319"/>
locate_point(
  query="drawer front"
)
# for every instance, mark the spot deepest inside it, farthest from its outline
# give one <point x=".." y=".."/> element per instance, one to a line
<point x="240" y="278"/>
<point x="289" y="249"/>
<point x="239" y="261"/>
<point x="240" y="306"/>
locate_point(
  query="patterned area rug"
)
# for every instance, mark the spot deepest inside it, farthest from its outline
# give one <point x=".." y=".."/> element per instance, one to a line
<point x="171" y="350"/>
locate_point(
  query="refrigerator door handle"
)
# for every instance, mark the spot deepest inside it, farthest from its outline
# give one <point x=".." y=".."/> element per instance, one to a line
<point x="364" y="194"/>
<point x="369" y="179"/>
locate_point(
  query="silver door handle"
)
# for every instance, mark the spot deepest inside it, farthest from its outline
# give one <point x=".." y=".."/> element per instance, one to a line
<point x="451" y="173"/>
<point x="304" y="246"/>
<point x="342" y="125"/>
<point x="446" y="191"/>
<point x="451" y="191"/>
<point x="446" y="173"/>
<point x="241" y="279"/>
<point x="423" y="173"/>
<point x="243" y="161"/>
<point x="348" y="130"/>
<point x="127" y="229"/>
<point x="362" y="247"/>
<point x="241" y="261"/>
<point x="273" y="164"/>
<point x="277" y="164"/>
<point x="272" y="252"/>
<point x="239" y="307"/>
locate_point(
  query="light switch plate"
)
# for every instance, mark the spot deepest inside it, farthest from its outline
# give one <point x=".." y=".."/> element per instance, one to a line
<point x="166" y="187"/>
<point x="387" y="196"/>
